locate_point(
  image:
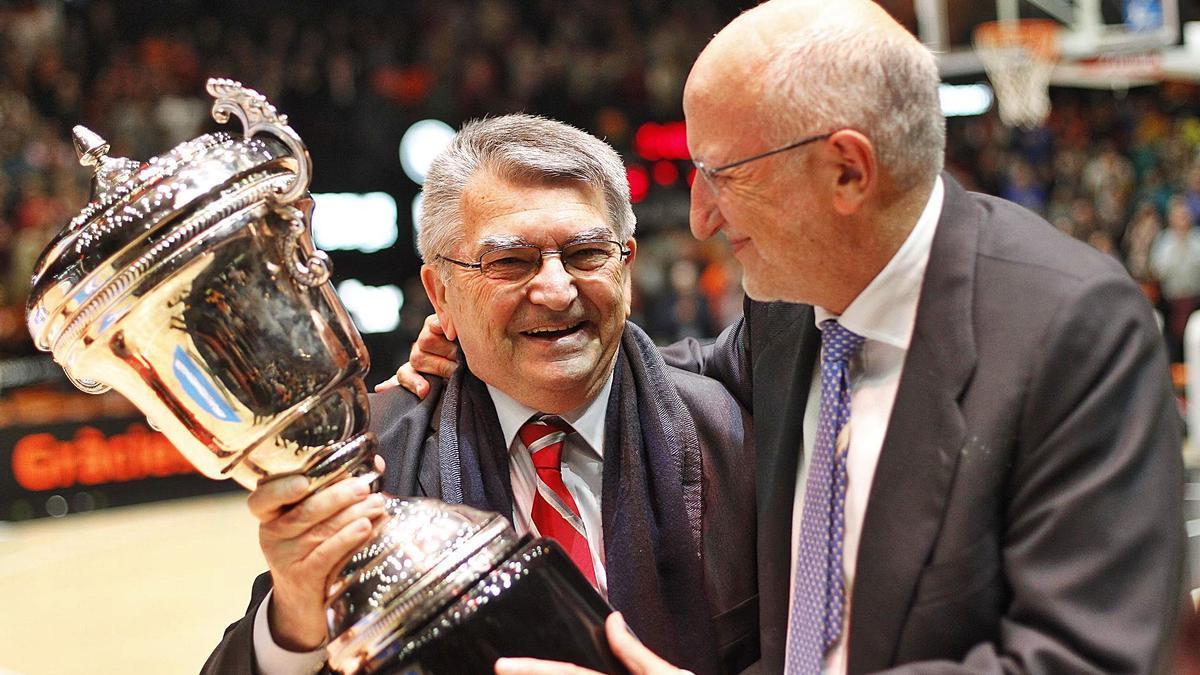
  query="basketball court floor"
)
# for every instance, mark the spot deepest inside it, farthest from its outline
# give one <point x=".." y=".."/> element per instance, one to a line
<point x="149" y="589"/>
<point x="138" y="589"/>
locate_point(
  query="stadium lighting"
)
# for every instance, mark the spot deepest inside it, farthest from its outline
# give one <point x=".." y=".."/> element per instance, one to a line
<point x="420" y="145"/>
<point x="354" y="221"/>
<point x="959" y="100"/>
<point x="375" y="309"/>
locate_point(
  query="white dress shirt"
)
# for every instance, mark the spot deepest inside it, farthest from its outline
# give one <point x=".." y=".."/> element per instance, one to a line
<point x="884" y="313"/>
<point x="582" y="472"/>
<point x="582" y="467"/>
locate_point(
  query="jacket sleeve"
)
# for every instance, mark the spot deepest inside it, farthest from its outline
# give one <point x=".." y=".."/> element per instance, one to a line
<point x="725" y="359"/>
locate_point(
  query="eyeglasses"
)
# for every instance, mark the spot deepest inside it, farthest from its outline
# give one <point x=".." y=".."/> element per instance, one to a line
<point x="519" y="263"/>
<point x="709" y="173"/>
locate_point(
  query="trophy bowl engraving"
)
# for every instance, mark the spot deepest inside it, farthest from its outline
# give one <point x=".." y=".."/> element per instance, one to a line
<point x="190" y="284"/>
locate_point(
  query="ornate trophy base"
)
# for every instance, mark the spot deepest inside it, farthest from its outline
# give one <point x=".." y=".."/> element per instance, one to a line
<point x="536" y="604"/>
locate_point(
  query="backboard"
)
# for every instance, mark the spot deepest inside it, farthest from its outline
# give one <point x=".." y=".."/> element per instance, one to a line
<point x="1107" y="44"/>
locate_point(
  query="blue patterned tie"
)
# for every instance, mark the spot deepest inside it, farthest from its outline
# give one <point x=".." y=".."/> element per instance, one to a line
<point x="819" y="595"/>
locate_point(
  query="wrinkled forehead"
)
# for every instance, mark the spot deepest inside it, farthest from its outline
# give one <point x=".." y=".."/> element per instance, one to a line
<point x="723" y="102"/>
<point x="557" y="239"/>
<point x="502" y="211"/>
<point x="512" y="188"/>
<point x="719" y="132"/>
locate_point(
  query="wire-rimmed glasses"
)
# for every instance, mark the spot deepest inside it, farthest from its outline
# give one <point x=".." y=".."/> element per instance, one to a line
<point x="518" y="263"/>
<point x="709" y="173"/>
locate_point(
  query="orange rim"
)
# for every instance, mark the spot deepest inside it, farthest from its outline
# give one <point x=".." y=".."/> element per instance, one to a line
<point x="1039" y="37"/>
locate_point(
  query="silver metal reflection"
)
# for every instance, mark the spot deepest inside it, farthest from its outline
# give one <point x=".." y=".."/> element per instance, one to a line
<point x="190" y="284"/>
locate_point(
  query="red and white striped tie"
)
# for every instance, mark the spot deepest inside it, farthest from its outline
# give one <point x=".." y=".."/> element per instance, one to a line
<point x="554" y="510"/>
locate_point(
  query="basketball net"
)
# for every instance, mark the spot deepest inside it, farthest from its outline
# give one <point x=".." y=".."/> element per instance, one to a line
<point x="1019" y="57"/>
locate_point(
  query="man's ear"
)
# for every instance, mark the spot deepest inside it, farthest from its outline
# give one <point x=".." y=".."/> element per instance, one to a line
<point x="435" y="288"/>
<point x="628" y="273"/>
<point x="857" y="170"/>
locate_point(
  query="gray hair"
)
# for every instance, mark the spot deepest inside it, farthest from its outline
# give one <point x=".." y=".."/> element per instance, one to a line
<point x="518" y="147"/>
<point x="885" y="86"/>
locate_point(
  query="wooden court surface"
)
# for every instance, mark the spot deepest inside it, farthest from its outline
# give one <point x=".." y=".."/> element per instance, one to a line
<point x="149" y="589"/>
<point x="138" y="589"/>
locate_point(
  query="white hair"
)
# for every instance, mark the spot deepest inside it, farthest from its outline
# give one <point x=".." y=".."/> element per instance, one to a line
<point x="883" y="85"/>
<point x="522" y="148"/>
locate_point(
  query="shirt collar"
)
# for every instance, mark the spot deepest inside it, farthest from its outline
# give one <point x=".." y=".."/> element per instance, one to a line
<point x="587" y="420"/>
<point x="886" y="310"/>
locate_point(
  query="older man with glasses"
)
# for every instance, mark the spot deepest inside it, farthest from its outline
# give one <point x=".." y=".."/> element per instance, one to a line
<point x="564" y="418"/>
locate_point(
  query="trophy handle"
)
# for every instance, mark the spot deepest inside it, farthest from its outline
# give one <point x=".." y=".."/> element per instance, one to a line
<point x="308" y="266"/>
<point x="258" y="115"/>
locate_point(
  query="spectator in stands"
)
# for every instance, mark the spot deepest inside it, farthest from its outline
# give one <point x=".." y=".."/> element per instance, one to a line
<point x="1139" y="238"/>
<point x="1175" y="262"/>
<point x="1023" y="187"/>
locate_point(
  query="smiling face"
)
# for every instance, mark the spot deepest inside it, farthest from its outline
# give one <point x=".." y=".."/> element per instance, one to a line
<point x="768" y="209"/>
<point x="549" y="342"/>
<point x="817" y="221"/>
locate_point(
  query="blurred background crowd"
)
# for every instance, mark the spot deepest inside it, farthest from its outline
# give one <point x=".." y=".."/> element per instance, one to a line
<point x="1120" y="172"/>
<point x="352" y="77"/>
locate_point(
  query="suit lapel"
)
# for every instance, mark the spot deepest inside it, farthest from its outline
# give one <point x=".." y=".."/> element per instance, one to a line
<point x="783" y="371"/>
<point x="921" y="448"/>
<point x="429" y="473"/>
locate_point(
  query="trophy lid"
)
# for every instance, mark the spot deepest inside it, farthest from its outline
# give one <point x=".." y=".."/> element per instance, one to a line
<point x="138" y="208"/>
<point x="423" y="557"/>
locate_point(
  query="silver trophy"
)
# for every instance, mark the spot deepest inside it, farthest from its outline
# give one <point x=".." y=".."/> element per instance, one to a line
<point x="191" y="285"/>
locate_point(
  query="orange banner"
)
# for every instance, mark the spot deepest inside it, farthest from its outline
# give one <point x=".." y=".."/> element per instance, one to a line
<point x="42" y="462"/>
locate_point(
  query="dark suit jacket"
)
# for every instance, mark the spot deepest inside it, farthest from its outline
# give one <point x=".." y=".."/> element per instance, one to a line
<point x="1025" y="515"/>
<point x="402" y="424"/>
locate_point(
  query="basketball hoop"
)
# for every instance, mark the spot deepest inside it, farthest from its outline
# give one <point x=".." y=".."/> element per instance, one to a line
<point x="1019" y="57"/>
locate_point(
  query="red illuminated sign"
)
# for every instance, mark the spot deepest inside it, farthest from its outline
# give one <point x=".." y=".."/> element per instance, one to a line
<point x="639" y="183"/>
<point x="665" y="172"/>
<point x="42" y="462"/>
<point x="654" y="141"/>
